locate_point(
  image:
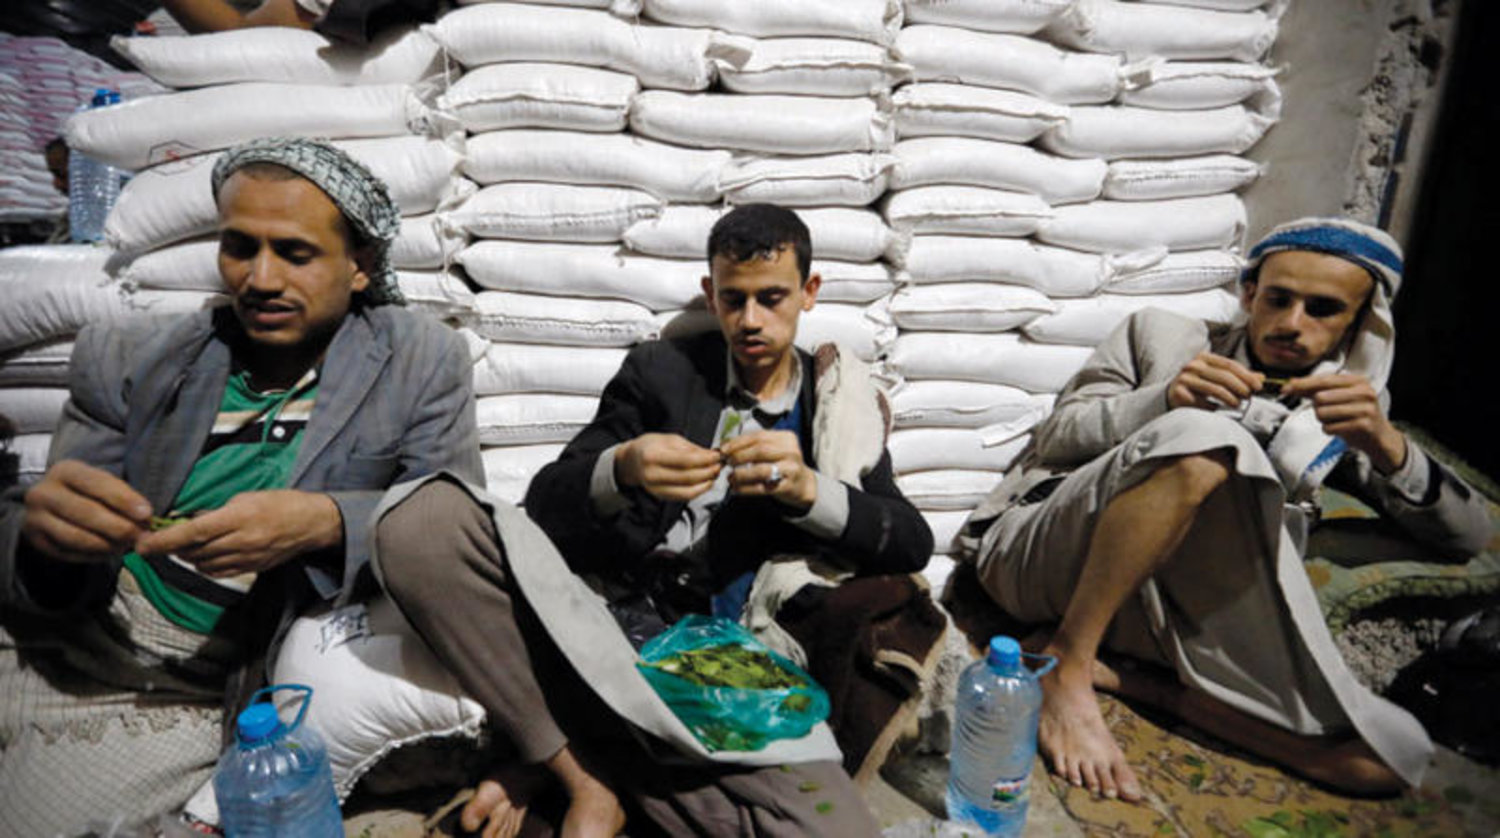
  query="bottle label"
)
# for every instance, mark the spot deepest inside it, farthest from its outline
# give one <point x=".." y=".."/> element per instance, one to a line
<point x="1011" y="792"/>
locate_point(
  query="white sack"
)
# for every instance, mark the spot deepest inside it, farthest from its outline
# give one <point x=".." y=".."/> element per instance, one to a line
<point x="168" y="301"/>
<point x="37" y="365"/>
<point x="424" y="242"/>
<point x="853" y="282"/>
<point x="763" y="123"/>
<point x="925" y="449"/>
<point x="553" y="212"/>
<point x="859" y="329"/>
<point x="1021" y="17"/>
<point x="967" y="307"/>
<point x="865" y="20"/>
<point x="1013" y="62"/>
<point x="379" y="686"/>
<point x="157" y="129"/>
<point x="938" y="109"/>
<point x="1120" y="226"/>
<point x="532" y="418"/>
<point x="1115" y="131"/>
<point x="508" y="470"/>
<point x="815" y="67"/>
<point x="1150" y="180"/>
<point x="187" y="266"/>
<point x="965" y="210"/>
<point x="537" y="95"/>
<point x="174" y="201"/>
<point x="439" y="293"/>
<point x="846" y="180"/>
<point x="998" y="412"/>
<point x="670" y="172"/>
<point x="280" y="54"/>
<point x="949" y="488"/>
<point x="627" y="9"/>
<point x="1230" y="5"/>
<point x="841" y="233"/>
<point x="1004" y="358"/>
<point x="1084" y="323"/>
<point x="1054" y="271"/>
<point x="53" y="290"/>
<point x="32" y="410"/>
<point x="965" y="161"/>
<point x="1139" y="29"/>
<point x="1197" y="270"/>
<point x="536" y="368"/>
<point x="31" y="455"/>
<point x="534" y="318"/>
<point x="1199" y="85"/>
<point x="945" y="526"/>
<point x="660" y="56"/>
<point x="582" y="270"/>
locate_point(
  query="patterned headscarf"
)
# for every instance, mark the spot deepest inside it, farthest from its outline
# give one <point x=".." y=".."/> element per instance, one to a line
<point x="362" y="198"/>
<point x="1369" y="247"/>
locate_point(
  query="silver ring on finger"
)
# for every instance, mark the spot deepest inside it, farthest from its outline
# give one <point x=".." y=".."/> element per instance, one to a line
<point x="775" y="477"/>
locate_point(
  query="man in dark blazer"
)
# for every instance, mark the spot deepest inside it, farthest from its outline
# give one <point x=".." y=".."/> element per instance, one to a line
<point x="709" y="456"/>
<point x="213" y="473"/>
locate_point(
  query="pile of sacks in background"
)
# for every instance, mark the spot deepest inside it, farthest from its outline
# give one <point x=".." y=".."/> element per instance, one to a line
<point x="42" y="80"/>
<point x="991" y="185"/>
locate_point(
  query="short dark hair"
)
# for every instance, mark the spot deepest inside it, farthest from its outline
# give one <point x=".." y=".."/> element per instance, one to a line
<point x="760" y="231"/>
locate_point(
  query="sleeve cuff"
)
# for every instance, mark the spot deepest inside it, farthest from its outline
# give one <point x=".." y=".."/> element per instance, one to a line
<point x="1413" y="480"/>
<point x="604" y="492"/>
<point x="829" y="514"/>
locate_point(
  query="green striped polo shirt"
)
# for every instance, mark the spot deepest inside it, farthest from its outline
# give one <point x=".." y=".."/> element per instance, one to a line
<point x="252" y="447"/>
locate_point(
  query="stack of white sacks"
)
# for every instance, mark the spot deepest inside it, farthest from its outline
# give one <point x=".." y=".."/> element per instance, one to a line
<point x="1060" y="164"/>
<point x="990" y="189"/>
<point x="161" y="253"/>
<point x="603" y="163"/>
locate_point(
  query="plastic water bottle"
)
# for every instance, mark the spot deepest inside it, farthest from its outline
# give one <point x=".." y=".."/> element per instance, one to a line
<point x="93" y="185"/>
<point x="275" y="780"/>
<point x="994" y="740"/>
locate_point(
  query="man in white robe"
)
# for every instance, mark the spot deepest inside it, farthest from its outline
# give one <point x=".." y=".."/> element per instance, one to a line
<point x="1162" y="510"/>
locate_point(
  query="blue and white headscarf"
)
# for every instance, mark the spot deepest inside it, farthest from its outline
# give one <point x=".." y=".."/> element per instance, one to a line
<point x="361" y="196"/>
<point x="1303" y="454"/>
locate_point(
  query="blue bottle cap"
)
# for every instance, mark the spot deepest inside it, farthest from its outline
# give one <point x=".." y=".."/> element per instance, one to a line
<point x="257" y="722"/>
<point x="101" y="97"/>
<point x="1005" y="652"/>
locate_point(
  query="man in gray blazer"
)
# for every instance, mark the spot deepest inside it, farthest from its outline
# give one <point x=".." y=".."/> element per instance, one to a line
<point x="213" y="475"/>
<point x="1162" y="508"/>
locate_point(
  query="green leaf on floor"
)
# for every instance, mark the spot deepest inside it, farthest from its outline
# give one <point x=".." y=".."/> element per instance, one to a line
<point x="1196" y="762"/>
<point x="824" y="807"/>
<point x="1284" y="824"/>
<point x="1458" y="794"/>
<point x="1196" y="779"/>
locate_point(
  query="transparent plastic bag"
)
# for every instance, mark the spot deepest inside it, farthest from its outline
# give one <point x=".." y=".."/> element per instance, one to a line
<point x="733" y="692"/>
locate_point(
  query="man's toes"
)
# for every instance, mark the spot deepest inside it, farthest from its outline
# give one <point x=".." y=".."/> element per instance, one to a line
<point x="1091" y="778"/>
<point x="1130" y="788"/>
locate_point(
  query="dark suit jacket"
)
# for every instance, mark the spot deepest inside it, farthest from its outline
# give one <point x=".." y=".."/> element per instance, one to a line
<point x="678" y="386"/>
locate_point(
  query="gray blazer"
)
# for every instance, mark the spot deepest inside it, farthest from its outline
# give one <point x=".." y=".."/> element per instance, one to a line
<point x="1124" y="385"/>
<point x="394" y="402"/>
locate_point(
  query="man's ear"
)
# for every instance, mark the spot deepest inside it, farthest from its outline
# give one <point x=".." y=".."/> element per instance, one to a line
<point x="707" y="284"/>
<point x="361" y="260"/>
<point x="1247" y="294"/>
<point x="810" y="290"/>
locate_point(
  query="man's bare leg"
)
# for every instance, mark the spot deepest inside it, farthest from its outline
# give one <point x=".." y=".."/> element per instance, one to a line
<point x="499" y="803"/>
<point x="1136" y="533"/>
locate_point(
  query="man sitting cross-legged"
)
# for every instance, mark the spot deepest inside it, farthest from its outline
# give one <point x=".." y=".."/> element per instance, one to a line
<point x="709" y="456"/>
<point x="1162" y="508"/>
<point x="212" y="475"/>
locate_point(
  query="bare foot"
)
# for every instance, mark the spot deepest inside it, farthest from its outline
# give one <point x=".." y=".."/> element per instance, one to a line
<point x="499" y="803"/>
<point x="593" y="810"/>
<point x="1073" y="737"/>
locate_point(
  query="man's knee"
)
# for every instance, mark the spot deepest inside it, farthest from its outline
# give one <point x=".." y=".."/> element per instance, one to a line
<point x="1193" y="477"/>
<point x="420" y="540"/>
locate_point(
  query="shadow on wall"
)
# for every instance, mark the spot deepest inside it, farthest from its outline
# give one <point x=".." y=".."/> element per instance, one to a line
<point x="1448" y="312"/>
